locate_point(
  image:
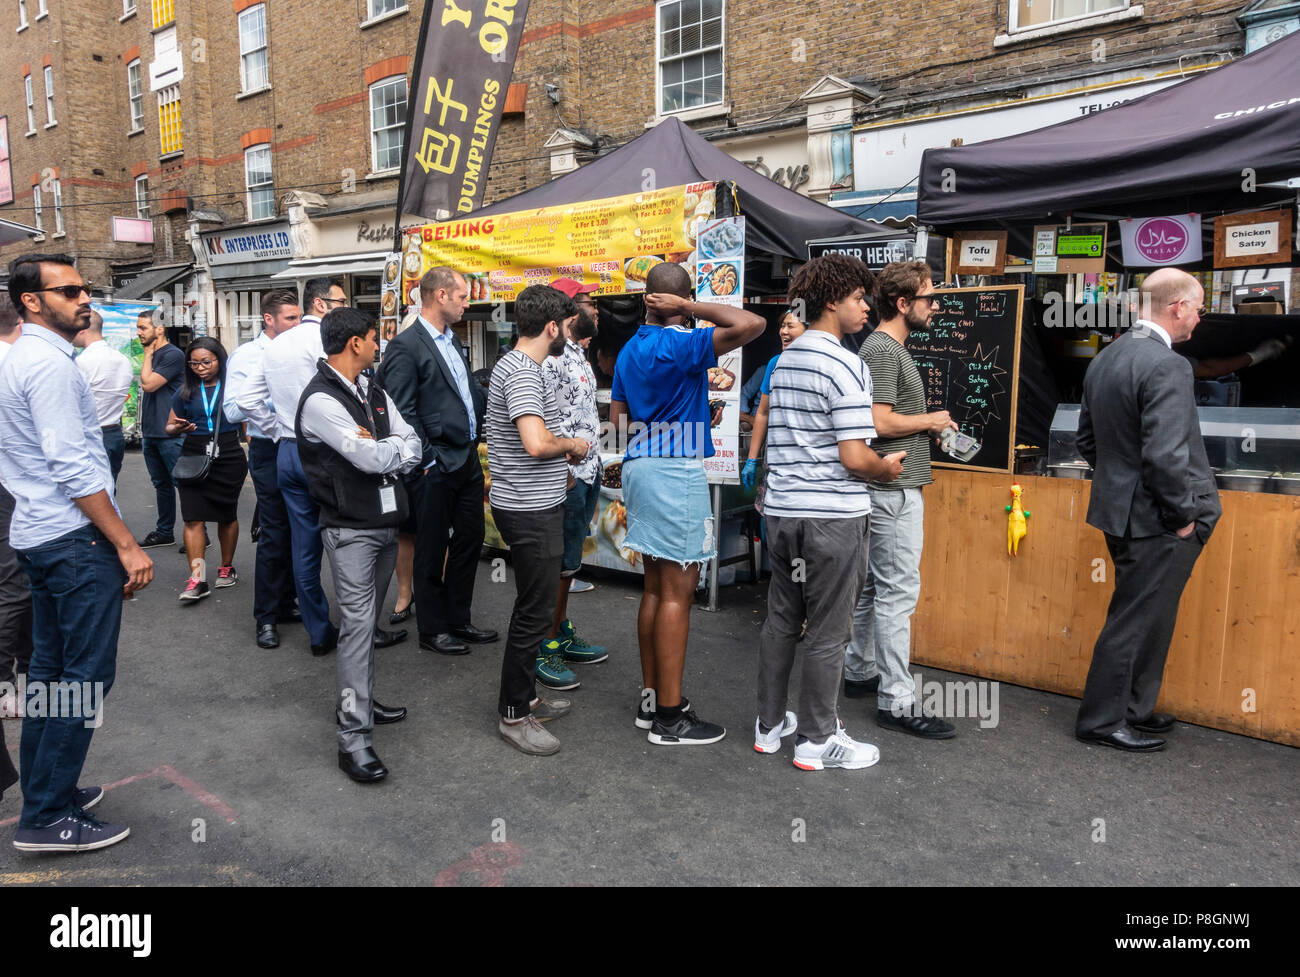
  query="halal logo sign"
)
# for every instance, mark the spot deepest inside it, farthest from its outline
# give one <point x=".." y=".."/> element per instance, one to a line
<point x="1161" y="239"/>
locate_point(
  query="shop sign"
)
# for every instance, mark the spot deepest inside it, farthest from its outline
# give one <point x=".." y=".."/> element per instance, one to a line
<point x="1258" y="238"/>
<point x="1158" y="241"/>
<point x="133" y="229"/>
<point x="248" y="244"/>
<point x="720" y="279"/>
<point x="979" y="252"/>
<point x="1074" y="250"/>
<point x="873" y="252"/>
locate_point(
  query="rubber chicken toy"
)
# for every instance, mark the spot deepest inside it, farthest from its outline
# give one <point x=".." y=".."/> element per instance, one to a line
<point x="1017" y="528"/>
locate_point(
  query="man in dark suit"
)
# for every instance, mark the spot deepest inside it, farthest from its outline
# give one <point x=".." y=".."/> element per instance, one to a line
<point x="427" y="375"/>
<point x="1154" y="496"/>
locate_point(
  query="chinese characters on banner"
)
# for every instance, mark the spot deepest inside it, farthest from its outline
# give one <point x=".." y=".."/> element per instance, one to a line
<point x="465" y="56"/>
<point x="720" y="279"/>
<point x="612" y="243"/>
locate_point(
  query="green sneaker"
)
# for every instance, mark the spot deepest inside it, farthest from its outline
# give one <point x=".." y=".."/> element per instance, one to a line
<point x="574" y="649"/>
<point x="551" y="670"/>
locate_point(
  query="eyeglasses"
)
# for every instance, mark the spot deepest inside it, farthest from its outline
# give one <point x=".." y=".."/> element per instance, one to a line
<point x="198" y="363"/>
<point x="67" y="291"/>
<point x="335" y="301"/>
<point x="1201" y="312"/>
<point x="928" y="299"/>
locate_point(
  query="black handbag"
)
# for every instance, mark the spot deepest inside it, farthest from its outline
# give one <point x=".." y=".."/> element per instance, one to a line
<point x="193" y="469"/>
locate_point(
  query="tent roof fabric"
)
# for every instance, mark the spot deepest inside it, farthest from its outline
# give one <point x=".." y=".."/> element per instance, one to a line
<point x="1188" y="147"/>
<point x="777" y="219"/>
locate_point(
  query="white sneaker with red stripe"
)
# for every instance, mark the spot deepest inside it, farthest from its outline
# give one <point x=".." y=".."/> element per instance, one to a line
<point x="839" y="750"/>
<point x="770" y="741"/>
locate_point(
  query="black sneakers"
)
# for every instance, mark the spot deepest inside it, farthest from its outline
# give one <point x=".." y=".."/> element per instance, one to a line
<point x="686" y="730"/>
<point x="645" y="718"/>
<point x="155" y="538"/>
<point x="928" y="727"/>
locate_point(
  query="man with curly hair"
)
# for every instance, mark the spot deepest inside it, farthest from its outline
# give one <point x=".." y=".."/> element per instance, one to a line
<point x="817" y="511"/>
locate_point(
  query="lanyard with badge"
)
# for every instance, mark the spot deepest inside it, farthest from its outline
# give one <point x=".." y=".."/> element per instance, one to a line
<point x="387" y="483"/>
<point x="208" y="408"/>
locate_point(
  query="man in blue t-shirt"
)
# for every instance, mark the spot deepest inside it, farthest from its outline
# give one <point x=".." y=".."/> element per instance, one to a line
<point x="161" y="374"/>
<point x="661" y="388"/>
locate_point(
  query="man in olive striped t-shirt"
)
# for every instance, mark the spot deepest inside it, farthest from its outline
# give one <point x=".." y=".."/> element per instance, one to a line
<point x="879" y="655"/>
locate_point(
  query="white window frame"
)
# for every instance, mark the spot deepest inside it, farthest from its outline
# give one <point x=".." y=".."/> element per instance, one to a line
<point x="49" y="96"/>
<point x="720" y="47"/>
<point x="22" y="15"/>
<point x="58" y="209"/>
<point x="250" y="188"/>
<point x="400" y="127"/>
<point x="374" y="11"/>
<point x="135" y="96"/>
<point x="41" y="9"/>
<point x="38" y="212"/>
<point x="1013" y="15"/>
<point x="31" y="105"/>
<point x="142" y="199"/>
<point x="128" y="8"/>
<point x="257" y="10"/>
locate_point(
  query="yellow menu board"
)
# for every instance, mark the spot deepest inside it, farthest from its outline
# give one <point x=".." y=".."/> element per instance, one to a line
<point x="612" y="243"/>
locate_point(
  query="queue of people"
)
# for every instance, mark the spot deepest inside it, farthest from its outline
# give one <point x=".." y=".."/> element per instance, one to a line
<point x="346" y="456"/>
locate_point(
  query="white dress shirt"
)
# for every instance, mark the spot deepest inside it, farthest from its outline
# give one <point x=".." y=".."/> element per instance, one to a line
<point x="244" y="363"/>
<point x="1158" y="330"/>
<point x="109" y="374"/>
<point x="271" y="394"/>
<point x="325" y="419"/>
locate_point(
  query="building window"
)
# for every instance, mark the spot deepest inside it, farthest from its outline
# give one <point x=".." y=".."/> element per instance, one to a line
<point x="128" y="7"/>
<point x="49" y="96"/>
<point x="135" y="92"/>
<point x="1039" y="13"/>
<point x="164" y="12"/>
<point x="58" y="208"/>
<point x="38" y="215"/>
<point x="257" y="174"/>
<point x="387" y="120"/>
<point x="41" y="9"/>
<point x="252" y="48"/>
<point x="690" y="54"/>
<point x="22" y="14"/>
<point x="31" y="105"/>
<point x="169" y="121"/>
<point x="380" y="7"/>
<point x="142" y="197"/>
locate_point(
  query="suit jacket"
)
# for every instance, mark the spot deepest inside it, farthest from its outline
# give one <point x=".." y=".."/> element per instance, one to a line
<point x="1139" y="430"/>
<point x="423" y="390"/>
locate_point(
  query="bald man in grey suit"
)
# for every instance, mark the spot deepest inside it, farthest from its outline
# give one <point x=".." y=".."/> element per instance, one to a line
<point x="1154" y="496"/>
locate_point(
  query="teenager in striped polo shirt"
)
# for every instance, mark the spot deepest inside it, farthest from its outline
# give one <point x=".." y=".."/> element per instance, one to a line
<point x="816" y="511"/>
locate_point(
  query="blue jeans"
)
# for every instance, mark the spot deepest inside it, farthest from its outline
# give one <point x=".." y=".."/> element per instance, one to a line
<point x="76" y="583"/>
<point x="115" y="447"/>
<point x="579" y="507"/>
<point x="160" y="456"/>
<point x="304" y="534"/>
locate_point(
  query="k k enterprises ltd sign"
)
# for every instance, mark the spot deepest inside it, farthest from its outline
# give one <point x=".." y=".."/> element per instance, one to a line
<point x="261" y="244"/>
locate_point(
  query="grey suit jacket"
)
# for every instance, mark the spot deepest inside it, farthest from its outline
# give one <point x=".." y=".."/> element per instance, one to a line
<point x="1139" y="430"/>
<point x="424" y="392"/>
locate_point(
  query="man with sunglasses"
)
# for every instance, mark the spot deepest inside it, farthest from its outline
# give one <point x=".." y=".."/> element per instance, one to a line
<point x="1154" y="497"/>
<point x="79" y="556"/>
<point x="879" y="655"/>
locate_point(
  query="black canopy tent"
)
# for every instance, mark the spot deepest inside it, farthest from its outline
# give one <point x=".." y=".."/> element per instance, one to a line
<point x="1198" y="146"/>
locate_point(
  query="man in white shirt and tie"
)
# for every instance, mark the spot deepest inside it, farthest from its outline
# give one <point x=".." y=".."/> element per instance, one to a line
<point x="273" y="589"/>
<point x="109" y="374"/>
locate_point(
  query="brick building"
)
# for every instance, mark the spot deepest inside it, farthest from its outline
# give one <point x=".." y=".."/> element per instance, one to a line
<point x="259" y="140"/>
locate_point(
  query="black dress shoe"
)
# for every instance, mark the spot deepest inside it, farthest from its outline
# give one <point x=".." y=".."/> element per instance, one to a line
<point x="387" y="714"/>
<point x="363" y="766"/>
<point x="860" y="690"/>
<point x="1126" y="739"/>
<point x="330" y="643"/>
<point x="443" y="644"/>
<point x="928" y="727"/>
<point x="386" y="639"/>
<point x="397" y="617"/>
<point x="1157" y="722"/>
<point x="268" y="636"/>
<point x="293" y="616"/>
<point x="473" y="635"/>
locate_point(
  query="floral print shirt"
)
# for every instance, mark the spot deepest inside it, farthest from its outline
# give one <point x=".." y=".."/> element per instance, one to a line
<point x="575" y="396"/>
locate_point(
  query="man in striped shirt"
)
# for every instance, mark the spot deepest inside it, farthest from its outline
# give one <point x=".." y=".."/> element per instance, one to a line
<point x="816" y="511"/>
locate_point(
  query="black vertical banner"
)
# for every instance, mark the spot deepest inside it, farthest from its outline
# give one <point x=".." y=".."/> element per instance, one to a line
<point x="462" y="69"/>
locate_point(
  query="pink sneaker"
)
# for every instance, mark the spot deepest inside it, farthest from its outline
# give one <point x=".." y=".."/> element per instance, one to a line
<point x="195" y="589"/>
<point x="226" y="576"/>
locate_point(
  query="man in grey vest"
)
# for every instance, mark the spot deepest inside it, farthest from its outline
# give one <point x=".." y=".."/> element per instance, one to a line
<point x="354" y="445"/>
<point x="1153" y="495"/>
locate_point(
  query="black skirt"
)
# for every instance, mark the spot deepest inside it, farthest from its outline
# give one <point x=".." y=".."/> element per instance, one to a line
<point x="216" y="498"/>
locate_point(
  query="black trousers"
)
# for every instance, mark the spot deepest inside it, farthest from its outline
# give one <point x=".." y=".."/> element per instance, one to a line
<point x="536" y="541"/>
<point x="15" y="602"/>
<point x="1128" y="661"/>
<point x="449" y="528"/>
<point x="273" y="589"/>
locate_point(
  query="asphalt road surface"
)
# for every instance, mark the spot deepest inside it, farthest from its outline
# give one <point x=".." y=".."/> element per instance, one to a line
<point x="222" y="759"/>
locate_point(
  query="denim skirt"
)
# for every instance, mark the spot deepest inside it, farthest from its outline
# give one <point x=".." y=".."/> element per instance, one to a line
<point x="669" y="513"/>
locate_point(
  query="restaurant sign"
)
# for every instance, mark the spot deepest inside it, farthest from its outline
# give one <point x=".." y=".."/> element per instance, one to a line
<point x="1151" y="242"/>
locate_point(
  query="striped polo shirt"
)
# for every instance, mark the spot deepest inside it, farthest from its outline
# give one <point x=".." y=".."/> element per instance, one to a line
<point x="821" y="395"/>
<point x="520" y="481"/>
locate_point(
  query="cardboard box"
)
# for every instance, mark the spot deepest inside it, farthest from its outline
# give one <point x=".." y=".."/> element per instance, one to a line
<point x="1260" y="308"/>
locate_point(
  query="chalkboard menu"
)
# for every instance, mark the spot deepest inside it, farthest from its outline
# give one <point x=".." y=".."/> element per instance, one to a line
<point x="969" y="358"/>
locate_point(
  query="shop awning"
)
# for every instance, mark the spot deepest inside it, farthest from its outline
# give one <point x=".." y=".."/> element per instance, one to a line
<point x="367" y="263"/>
<point x="1207" y="144"/>
<point x="150" y="280"/>
<point x="11" y="232"/>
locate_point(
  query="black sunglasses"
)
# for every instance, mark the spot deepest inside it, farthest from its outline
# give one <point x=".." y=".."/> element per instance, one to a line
<point x="67" y="291"/>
